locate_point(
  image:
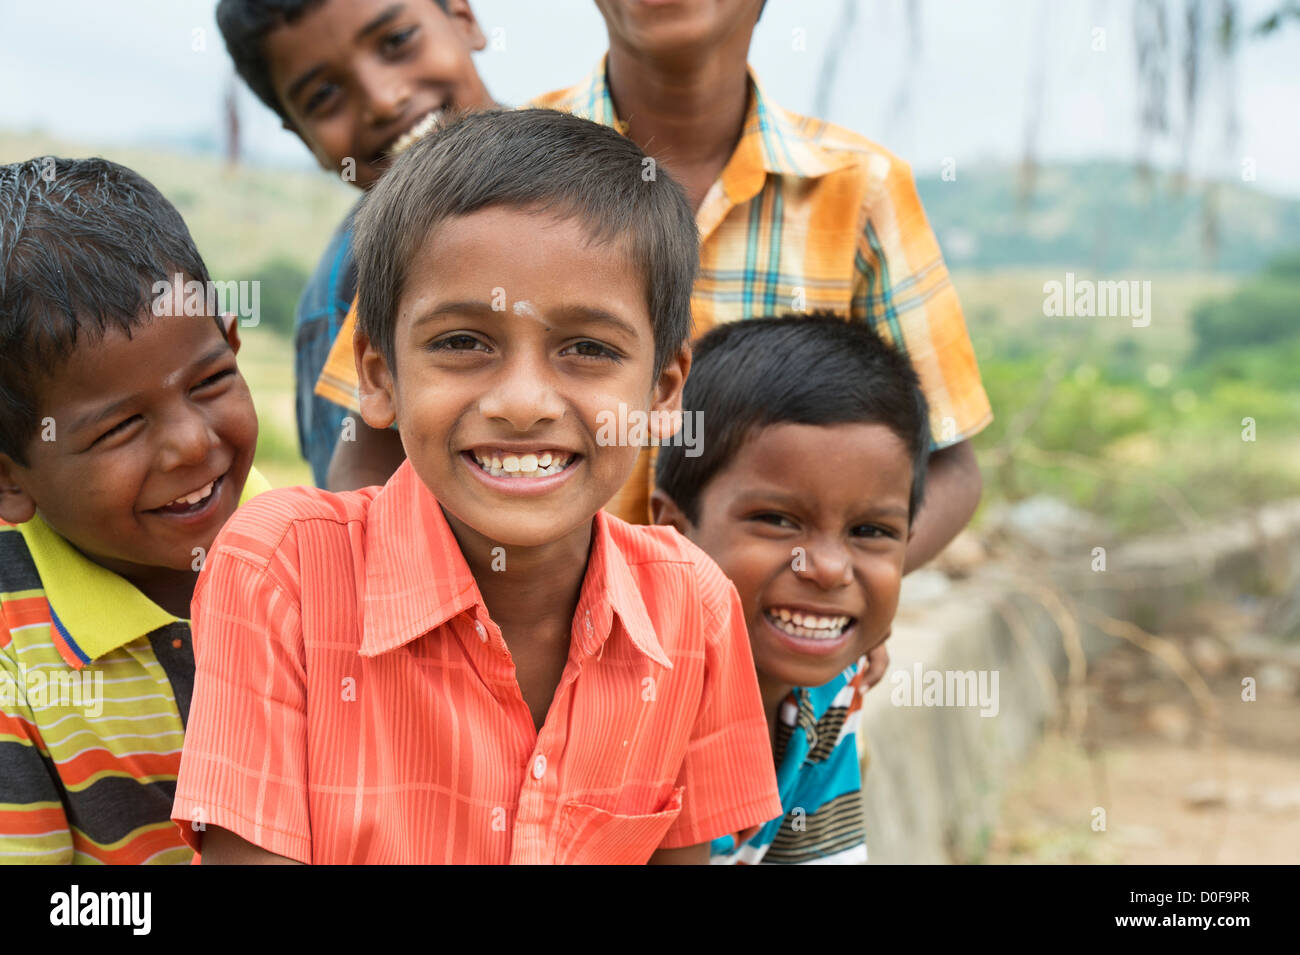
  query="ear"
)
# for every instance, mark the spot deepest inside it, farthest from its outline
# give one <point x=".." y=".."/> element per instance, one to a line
<point x="230" y="327"/>
<point x="375" y="389"/>
<point x="16" y="505"/>
<point x="667" y="397"/>
<point x="463" y="19"/>
<point x="664" y="510"/>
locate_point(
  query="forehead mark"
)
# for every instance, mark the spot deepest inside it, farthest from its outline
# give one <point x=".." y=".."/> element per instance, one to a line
<point x="174" y="378"/>
<point x="525" y="309"/>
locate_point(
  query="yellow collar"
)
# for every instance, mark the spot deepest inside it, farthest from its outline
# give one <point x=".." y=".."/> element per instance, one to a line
<point x="93" y="610"/>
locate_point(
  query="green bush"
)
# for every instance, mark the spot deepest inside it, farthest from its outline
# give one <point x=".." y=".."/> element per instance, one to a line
<point x="1264" y="311"/>
<point x="281" y="284"/>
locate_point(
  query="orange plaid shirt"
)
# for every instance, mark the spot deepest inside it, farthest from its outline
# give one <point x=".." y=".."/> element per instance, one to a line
<point x="806" y="216"/>
<point x="354" y="703"/>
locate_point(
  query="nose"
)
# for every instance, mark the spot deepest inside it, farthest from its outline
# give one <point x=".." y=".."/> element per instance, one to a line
<point x="385" y="95"/>
<point x="188" y="439"/>
<point x="827" y="564"/>
<point x="522" y="396"/>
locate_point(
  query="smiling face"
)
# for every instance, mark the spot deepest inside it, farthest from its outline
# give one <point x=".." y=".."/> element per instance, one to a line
<point x="676" y="27"/>
<point x="514" y="332"/>
<point x="355" y="77"/>
<point x="153" y="437"/>
<point x="810" y="522"/>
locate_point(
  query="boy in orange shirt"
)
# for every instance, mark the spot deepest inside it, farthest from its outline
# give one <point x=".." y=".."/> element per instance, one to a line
<point x="475" y="663"/>
<point x="794" y="214"/>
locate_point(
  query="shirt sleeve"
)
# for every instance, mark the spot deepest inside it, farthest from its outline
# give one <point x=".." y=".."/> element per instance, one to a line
<point x="901" y="285"/>
<point x="244" y="765"/>
<point x="729" y="774"/>
<point x="34" y="825"/>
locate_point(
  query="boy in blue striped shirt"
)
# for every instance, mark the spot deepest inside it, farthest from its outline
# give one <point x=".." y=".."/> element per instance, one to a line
<point x="805" y="490"/>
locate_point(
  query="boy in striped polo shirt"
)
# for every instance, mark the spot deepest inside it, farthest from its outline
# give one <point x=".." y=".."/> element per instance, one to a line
<point x="805" y="492"/>
<point x="126" y="442"/>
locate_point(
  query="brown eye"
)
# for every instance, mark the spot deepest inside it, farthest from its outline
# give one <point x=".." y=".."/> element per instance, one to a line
<point x="591" y="349"/>
<point x="457" y="343"/>
<point x="394" y="42"/>
<point x="115" y="430"/>
<point x="213" y="379"/>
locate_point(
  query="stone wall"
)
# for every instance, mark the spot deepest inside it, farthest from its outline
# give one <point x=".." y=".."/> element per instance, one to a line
<point x="935" y="775"/>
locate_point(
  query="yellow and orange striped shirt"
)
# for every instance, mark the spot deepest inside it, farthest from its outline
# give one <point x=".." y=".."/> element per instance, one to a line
<point x="354" y="702"/>
<point x="95" y="683"/>
<point x="806" y="216"/>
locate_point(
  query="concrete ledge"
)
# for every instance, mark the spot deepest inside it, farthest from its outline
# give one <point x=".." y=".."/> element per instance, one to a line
<point x="934" y="775"/>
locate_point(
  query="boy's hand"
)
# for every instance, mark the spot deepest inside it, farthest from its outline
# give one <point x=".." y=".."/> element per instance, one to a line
<point x="877" y="664"/>
<point x="952" y="492"/>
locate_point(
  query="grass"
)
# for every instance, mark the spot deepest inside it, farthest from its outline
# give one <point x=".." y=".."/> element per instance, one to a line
<point x="1130" y="423"/>
<point x="266" y="361"/>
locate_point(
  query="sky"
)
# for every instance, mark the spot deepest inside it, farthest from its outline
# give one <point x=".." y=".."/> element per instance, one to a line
<point x="154" y="71"/>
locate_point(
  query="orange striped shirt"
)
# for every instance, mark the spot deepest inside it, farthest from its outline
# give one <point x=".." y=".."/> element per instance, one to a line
<point x="354" y="702"/>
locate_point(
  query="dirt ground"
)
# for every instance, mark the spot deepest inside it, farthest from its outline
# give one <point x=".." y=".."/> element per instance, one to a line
<point x="1157" y="776"/>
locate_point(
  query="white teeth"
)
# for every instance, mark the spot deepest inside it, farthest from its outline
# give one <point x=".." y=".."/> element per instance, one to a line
<point x="529" y="465"/>
<point x="808" y="626"/>
<point x="415" y="133"/>
<point x="194" y="497"/>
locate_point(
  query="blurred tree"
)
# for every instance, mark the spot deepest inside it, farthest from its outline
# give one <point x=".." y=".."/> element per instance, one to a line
<point x="282" y="281"/>
<point x="1261" y="312"/>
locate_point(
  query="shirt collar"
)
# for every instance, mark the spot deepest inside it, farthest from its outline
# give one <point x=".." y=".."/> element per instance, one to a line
<point x="417" y="578"/>
<point x="772" y="141"/>
<point x="80" y="593"/>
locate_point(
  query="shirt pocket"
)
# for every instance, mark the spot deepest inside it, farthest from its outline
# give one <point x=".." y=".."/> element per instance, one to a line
<point x="592" y="836"/>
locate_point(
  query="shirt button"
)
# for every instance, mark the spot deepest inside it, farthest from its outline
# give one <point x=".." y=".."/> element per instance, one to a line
<point x="481" y="630"/>
<point x="589" y="627"/>
<point x="539" y="766"/>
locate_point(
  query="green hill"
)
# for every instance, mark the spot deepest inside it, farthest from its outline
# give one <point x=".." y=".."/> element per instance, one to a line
<point x="241" y="219"/>
<point x="1106" y="217"/>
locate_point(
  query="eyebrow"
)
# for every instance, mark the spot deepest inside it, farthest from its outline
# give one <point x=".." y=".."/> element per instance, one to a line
<point x="377" y="23"/>
<point x="571" y="313"/>
<point x="114" y="408"/>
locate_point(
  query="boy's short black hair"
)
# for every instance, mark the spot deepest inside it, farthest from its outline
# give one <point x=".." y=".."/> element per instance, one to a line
<point x="538" y="160"/>
<point x="244" y="25"/>
<point x="82" y="244"/>
<point x="798" y="369"/>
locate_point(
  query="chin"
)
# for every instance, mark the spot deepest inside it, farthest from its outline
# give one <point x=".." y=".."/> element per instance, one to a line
<point x="806" y="675"/>
<point x="534" y="530"/>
